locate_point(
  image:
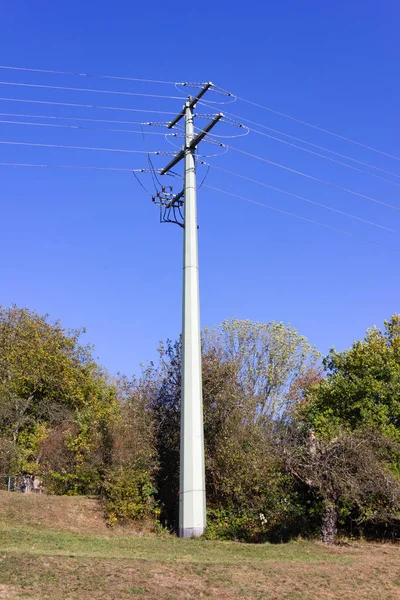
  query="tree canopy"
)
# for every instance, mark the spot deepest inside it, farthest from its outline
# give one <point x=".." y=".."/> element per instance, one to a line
<point x="293" y="444"/>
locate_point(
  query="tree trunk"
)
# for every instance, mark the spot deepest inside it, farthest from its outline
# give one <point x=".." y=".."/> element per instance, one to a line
<point x="329" y="522"/>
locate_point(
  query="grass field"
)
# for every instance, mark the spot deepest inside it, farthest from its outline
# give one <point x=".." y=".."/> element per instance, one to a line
<point x="55" y="548"/>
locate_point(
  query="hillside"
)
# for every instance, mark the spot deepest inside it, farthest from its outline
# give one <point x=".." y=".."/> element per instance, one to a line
<point x="77" y="514"/>
<point x="55" y="548"/>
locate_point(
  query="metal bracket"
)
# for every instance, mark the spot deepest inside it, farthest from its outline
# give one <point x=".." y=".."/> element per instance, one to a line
<point x="170" y="205"/>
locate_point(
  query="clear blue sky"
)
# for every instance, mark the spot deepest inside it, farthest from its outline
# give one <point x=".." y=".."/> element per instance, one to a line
<point x="86" y="246"/>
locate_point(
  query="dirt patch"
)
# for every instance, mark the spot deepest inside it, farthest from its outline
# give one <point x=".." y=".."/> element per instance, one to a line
<point x="8" y="591"/>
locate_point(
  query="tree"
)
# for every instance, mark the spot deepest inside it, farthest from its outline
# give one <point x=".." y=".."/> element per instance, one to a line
<point x="44" y="371"/>
<point x="352" y="470"/>
<point x="362" y="386"/>
<point x="132" y="460"/>
<point x="248" y="373"/>
<point x="269" y="357"/>
<point x="52" y="395"/>
<point x="350" y="417"/>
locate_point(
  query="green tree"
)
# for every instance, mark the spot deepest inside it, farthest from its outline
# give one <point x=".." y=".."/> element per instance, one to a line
<point x="362" y="386"/>
<point x="49" y="383"/>
<point x="248" y="373"/>
<point x="129" y="482"/>
<point x="347" y="444"/>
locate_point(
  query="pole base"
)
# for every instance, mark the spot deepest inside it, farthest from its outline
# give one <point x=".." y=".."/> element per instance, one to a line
<point x="190" y="532"/>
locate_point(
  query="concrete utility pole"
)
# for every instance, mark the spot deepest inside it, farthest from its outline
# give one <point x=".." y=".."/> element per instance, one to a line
<point x="192" y="495"/>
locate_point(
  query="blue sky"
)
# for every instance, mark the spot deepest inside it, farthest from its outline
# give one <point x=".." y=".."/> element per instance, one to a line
<point x="87" y="247"/>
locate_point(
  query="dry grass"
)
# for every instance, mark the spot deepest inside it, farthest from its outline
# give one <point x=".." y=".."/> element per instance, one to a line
<point x="42" y="556"/>
<point x="64" y="513"/>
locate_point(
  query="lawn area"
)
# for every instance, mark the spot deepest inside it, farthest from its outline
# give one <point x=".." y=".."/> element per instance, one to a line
<point x="55" y="548"/>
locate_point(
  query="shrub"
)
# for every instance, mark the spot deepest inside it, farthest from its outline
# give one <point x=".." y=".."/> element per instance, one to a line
<point x="129" y="496"/>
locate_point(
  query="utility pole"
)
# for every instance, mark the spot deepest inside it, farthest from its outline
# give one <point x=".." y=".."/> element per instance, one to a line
<point x="192" y="495"/>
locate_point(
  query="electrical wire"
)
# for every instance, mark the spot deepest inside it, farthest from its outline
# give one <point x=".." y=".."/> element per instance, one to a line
<point x="171" y="142"/>
<point x="284" y="212"/>
<point x="10" y="164"/>
<point x="205" y="176"/>
<point x="141" y="184"/>
<point x="73" y="89"/>
<point x="302" y="198"/>
<point x="360" y="162"/>
<point x="213" y="88"/>
<point x="338" y="162"/>
<point x="204" y="101"/>
<point x="74" y="105"/>
<point x="31" y="165"/>
<point x="51" y="117"/>
<point x="83" y="148"/>
<point x="152" y="170"/>
<point x="212" y="155"/>
<point x="342" y="137"/>
<point x="219" y="136"/>
<point x="83" y="128"/>
<point x="84" y="74"/>
<point x="330" y="184"/>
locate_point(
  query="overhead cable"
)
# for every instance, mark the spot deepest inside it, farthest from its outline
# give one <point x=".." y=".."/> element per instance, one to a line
<point x="311" y="177"/>
<point x="74" y="105"/>
<point x="342" y="137"/>
<point x="338" y="162"/>
<point x="297" y="139"/>
<point x="302" y="198"/>
<point x="85" y="148"/>
<point x="85" y="128"/>
<point x="284" y="212"/>
<point x="45" y="166"/>
<point x="74" y="89"/>
<point x="84" y="74"/>
<point x="57" y="118"/>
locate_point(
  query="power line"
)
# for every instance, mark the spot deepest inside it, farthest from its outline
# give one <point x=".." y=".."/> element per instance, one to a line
<point x="185" y="84"/>
<point x="73" y="89"/>
<point x="85" y="128"/>
<point x="342" y="137"/>
<point x="10" y="164"/>
<point x="84" y="148"/>
<point x="74" y="105"/>
<point x="164" y="124"/>
<point x="338" y="162"/>
<point x="30" y="165"/>
<point x="310" y="144"/>
<point x="141" y="184"/>
<point x="84" y="74"/>
<point x="334" y="185"/>
<point x="150" y="163"/>
<point x="284" y="212"/>
<point x="276" y="189"/>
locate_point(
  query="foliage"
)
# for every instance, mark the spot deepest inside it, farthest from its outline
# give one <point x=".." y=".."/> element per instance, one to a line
<point x="287" y="447"/>
<point x="362" y="387"/>
<point x="269" y="358"/>
<point x="349" y="443"/>
<point x="130" y="496"/>
<point x="248" y="373"/>
<point x="129" y="479"/>
<point x="349" y="472"/>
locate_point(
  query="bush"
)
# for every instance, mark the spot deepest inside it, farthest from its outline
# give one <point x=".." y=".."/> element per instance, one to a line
<point x="129" y="497"/>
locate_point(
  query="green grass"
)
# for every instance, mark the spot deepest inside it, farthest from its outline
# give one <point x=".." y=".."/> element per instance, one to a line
<point x="37" y="540"/>
<point x="53" y="561"/>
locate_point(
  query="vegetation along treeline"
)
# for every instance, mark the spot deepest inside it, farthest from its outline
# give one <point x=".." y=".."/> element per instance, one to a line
<point x="295" y="444"/>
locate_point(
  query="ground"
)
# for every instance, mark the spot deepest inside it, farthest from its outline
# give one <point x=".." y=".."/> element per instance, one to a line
<point x="54" y="548"/>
